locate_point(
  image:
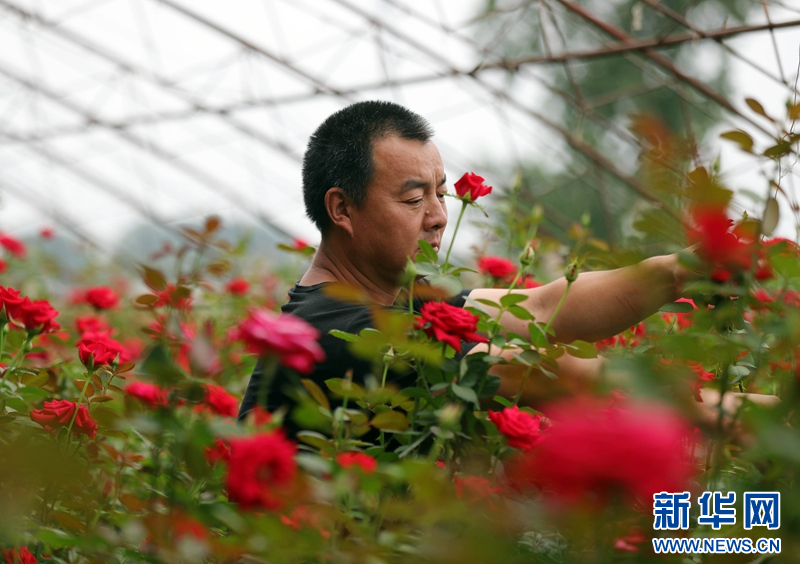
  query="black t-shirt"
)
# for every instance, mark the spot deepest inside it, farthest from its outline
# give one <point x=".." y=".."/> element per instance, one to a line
<point x="311" y="304"/>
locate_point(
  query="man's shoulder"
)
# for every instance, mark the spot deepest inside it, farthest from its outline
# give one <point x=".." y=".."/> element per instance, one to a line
<point x="313" y="305"/>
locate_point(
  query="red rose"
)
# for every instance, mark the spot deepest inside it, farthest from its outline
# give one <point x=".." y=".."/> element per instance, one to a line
<point x="289" y="338"/>
<point x="522" y="429"/>
<point x="718" y="244"/>
<point x="47" y="233"/>
<point x="19" y="556"/>
<point x="299" y="244"/>
<point x="497" y="267"/>
<point x="220" y="402"/>
<point x="217" y="451"/>
<point x="10" y="301"/>
<point x="682" y="320"/>
<point x="237" y="286"/>
<point x="529" y="281"/>
<point x="37" y="316"/>
<point x="471" y="187"/>
<point x="473" y="489"/>
<point x="91" y="323"/>
<point x="12" y="245"/>
<point x="149" y="394"/>
<point x="58" y="413"/>
<point x="594" y="452"/>
<point x="260" y="468"/>
<point x="449" y="324"/>
<point x="101" y="297"/>
<point x="98" y="349"/>
<point x="178" y="297"/>
<point x="365" y="462"/>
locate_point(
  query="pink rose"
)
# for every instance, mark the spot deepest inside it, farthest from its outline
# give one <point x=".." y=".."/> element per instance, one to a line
<point x="289" y="338"/>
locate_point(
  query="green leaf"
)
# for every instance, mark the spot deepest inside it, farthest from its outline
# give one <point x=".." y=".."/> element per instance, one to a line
<point x="529" y="358"/>
<point x="503" y="401"/>
<point x="427" y="269"/>
<point x="154" y="278"/>
<point x="464" y="393"/>
<point x="449" y="284"/>
<point x="520" y="312"/>
<point x="343" y="335"/>
<point x="345" y="388"/>
<point x="676" y="307"/>
<point x="778" y="150"/>
<point x="771" y="217"/>
<point x="390" y="421"/>
<point x="512" y="299"/>
<point x="741" y="138"/>
<point x="427" y="251"/>
<point x="414" y="393"/>
<point x="756" y="106"/>
<point x="538" y="337"/>
<point x="315" y="439"/>
<point x="316" y="392"/>
<point x="739" y="372"/>
<point x="36" y="380"/>
<point x="581" y="349"/>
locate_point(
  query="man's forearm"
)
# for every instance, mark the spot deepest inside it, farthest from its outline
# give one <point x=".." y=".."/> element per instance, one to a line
<point x="604" y="303"/>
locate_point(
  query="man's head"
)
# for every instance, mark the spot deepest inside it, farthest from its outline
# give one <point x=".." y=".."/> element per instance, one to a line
<point x="340" y="152"/>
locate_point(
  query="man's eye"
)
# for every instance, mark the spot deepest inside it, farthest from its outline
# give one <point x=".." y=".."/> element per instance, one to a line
<point x="441" y="195"/>
<point x="414" y="202"/>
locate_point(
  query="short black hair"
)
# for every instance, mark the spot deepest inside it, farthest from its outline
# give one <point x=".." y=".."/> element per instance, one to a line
<point x="339" y="152"/>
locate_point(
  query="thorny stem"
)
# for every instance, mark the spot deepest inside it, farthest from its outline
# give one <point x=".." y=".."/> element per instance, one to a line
<point x="558" y="308"/>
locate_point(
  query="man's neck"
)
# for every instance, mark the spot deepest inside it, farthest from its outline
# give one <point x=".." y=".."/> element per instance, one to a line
<point x="330" y="264"/>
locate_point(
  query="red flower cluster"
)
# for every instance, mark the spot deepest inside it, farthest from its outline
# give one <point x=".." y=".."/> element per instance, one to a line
<point x="471" y="187"/>
<point x="701" y="377"/>
<point x="149" y="394"/>
<point x="449" y="324"/>
<point x="496" y="267"/>
<point x="522" y="429"/>
<point x="58" y="413"/>
<point x="259" y="468"/>
<point x="237" y="286"/>
<point x="632" y="337"/>
<point x="36" y="316"/>
<point x="98" y="349"/>
<point x="177" y="297"/>
<point x="218" y="401"/>
<point x="592" y="450"/>
<point x="12" y="245"/>
<point x="18" y="556"/>
<point x="101" y="297"/>
<point x="289" y="338"/>
<point x="365" y="462"/>
<point x="682" y="320"/>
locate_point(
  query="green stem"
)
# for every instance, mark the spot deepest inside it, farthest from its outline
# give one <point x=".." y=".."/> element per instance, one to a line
<point x="453" y="240"/>
<point x="20" y="356"/>
<point x="3" y="326"/>
<point x="89" y="372"/>
<point x="385" y="371"/>
<point x="558" y="308"/>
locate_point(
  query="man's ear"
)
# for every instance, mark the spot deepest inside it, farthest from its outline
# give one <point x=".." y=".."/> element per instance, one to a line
<point x="338" y="206"/>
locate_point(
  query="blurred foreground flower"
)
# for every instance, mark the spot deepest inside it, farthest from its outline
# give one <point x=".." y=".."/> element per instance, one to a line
<point x="219" y="401"/>
<point x="19" y="556"/>
<point x="58" y="413"/>
<point x="259" y="468"/>
<point x="365" y="462"/>
<point x="285" y="336"/>
<point x="237" y="286"/>
<point x="593" y="452"/>
<point x="149" y="394"/>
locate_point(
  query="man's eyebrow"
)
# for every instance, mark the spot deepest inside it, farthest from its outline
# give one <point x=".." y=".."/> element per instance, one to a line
<point x="412" y="183"/>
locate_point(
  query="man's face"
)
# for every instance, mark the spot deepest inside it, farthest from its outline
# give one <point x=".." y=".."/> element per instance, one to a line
<point x="404" y="203"/>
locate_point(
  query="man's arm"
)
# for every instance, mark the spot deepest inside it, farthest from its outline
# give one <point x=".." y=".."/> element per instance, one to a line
<point x="599" y="304"/>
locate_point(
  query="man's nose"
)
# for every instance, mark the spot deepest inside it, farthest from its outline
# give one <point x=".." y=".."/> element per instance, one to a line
<point x="436" y="214"/>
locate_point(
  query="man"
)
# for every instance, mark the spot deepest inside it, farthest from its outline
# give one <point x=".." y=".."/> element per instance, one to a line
<point x="374" y="185"/>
